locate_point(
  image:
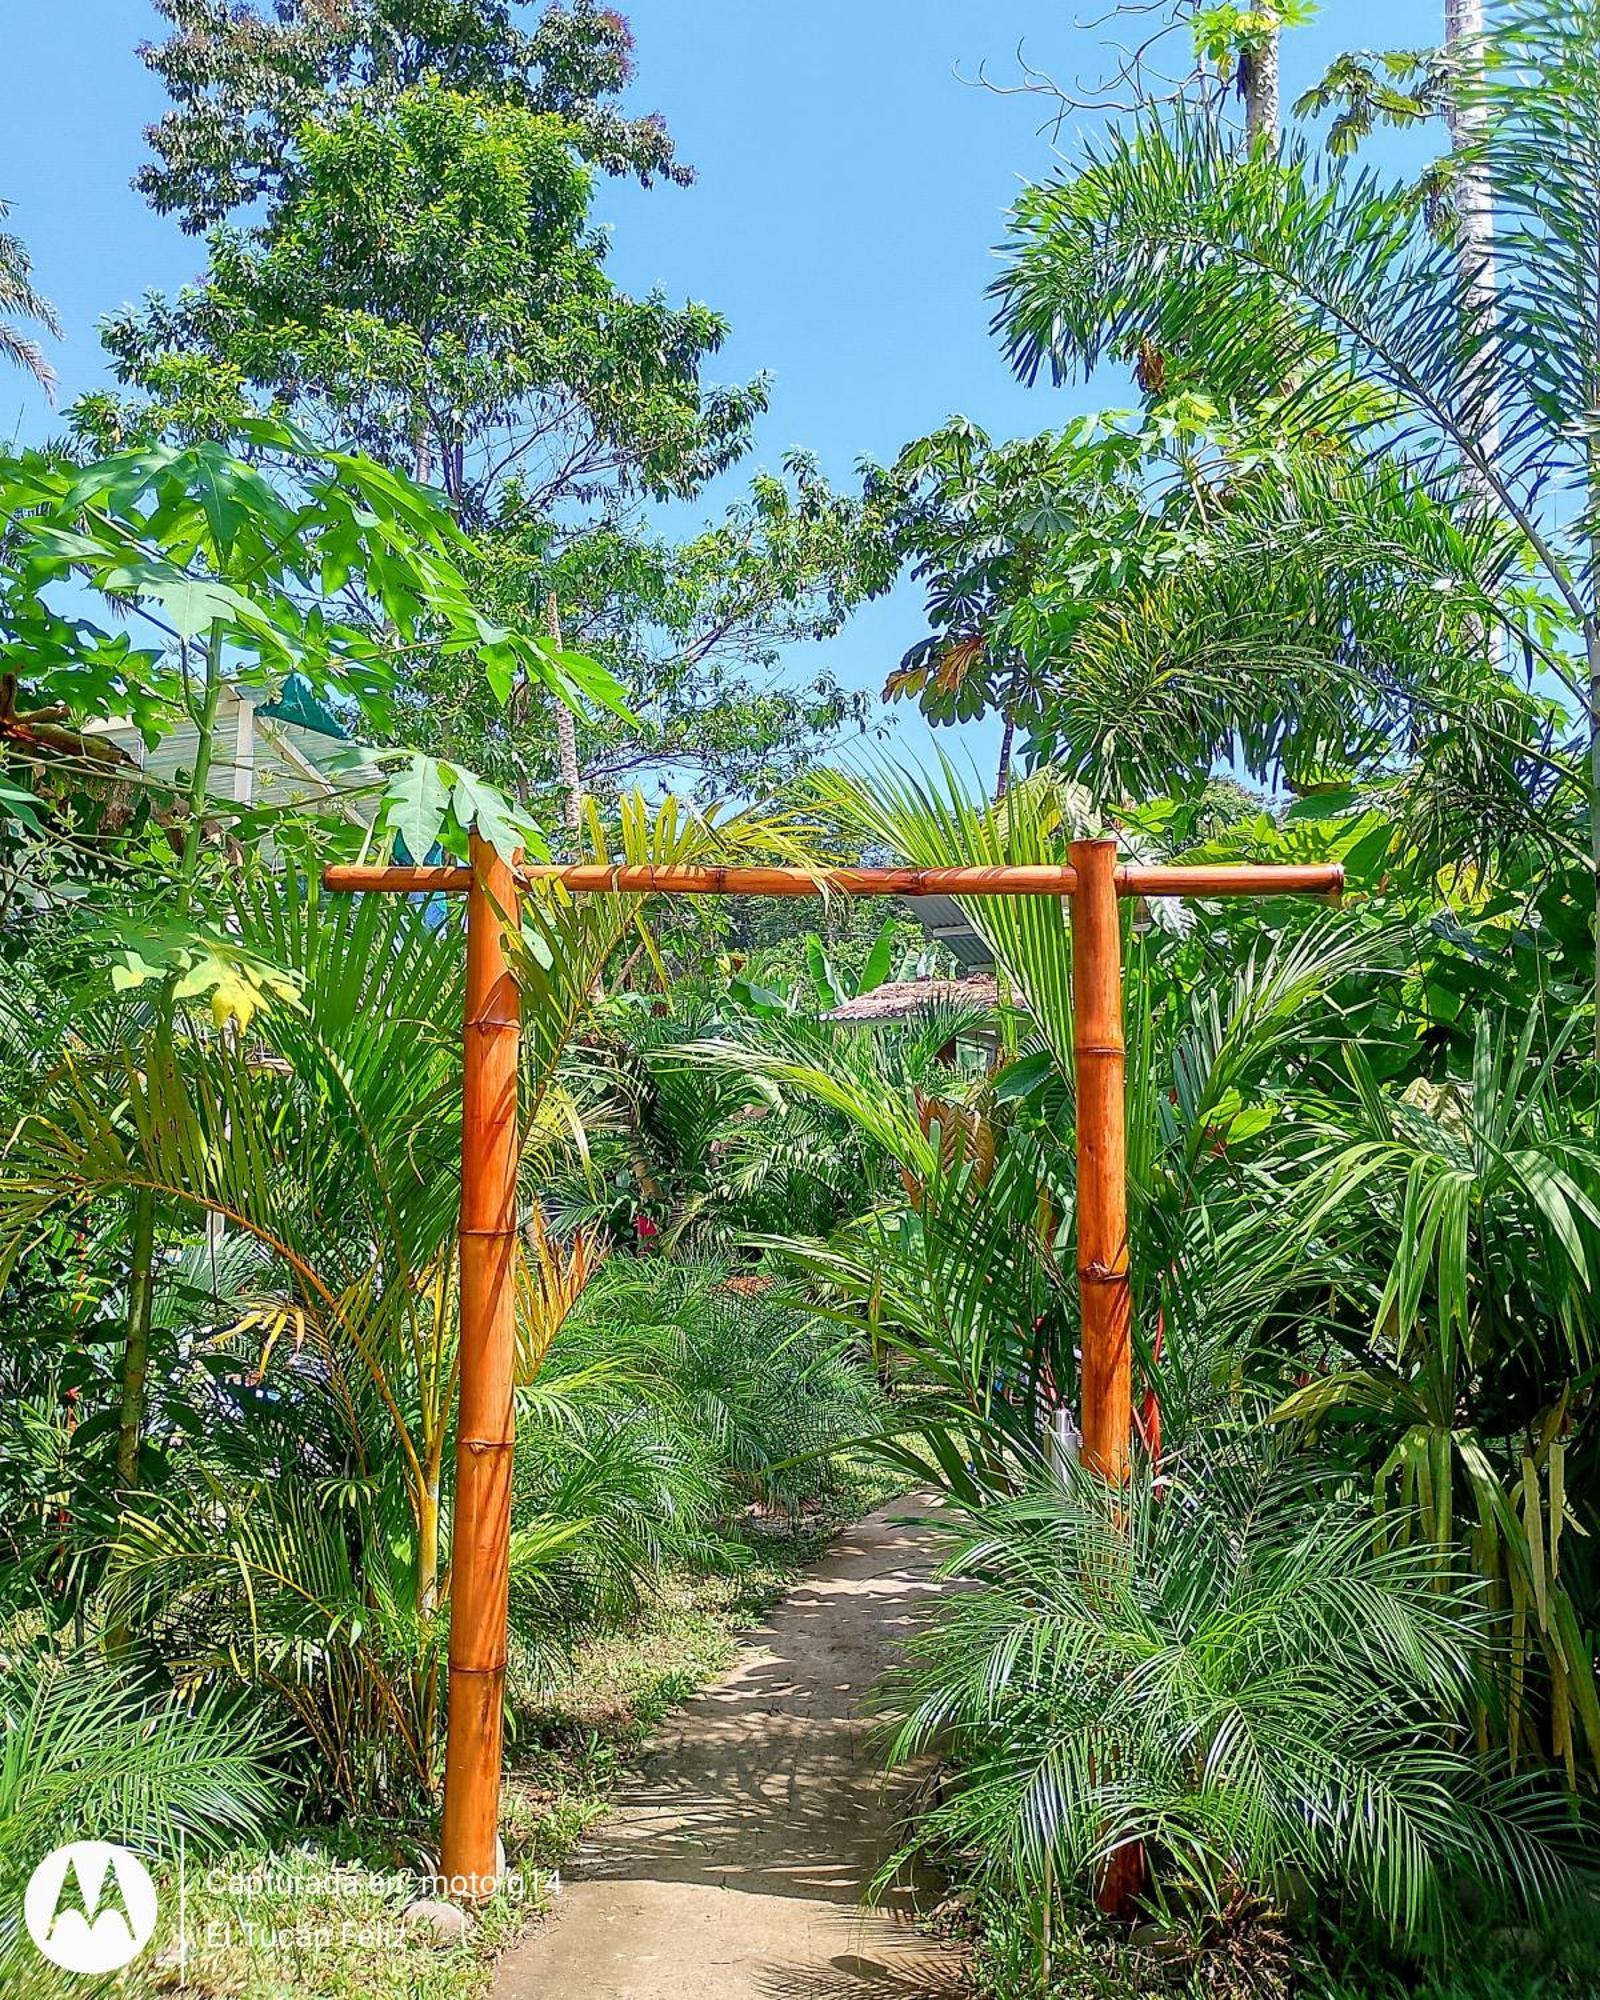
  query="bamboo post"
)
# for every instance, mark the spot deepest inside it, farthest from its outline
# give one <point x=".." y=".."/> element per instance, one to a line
<point x="1105" y="1305"/>
<point x="480" y="1543"/>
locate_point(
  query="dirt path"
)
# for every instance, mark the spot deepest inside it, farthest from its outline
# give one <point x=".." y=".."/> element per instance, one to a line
<point x="733" y="1868"/>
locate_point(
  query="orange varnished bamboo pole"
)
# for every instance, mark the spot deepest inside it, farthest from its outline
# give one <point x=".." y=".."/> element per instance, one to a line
<point x="1105" y="1306"/>
<point x="690" y="879"/>
<point x="481" y="1537"/>
<point x="1232" y="878"/>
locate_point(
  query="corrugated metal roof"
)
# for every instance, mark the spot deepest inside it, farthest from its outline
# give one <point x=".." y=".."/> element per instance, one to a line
<point x="297" y="704"/>
<point x="942" y="919"/>
<point x="258" y="759"/>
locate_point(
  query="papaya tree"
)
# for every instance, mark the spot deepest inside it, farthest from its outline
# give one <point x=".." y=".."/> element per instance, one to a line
<point x="143" y="587"/>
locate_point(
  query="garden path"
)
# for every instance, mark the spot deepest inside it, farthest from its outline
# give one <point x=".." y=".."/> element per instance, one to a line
<point x="733" y="1868"/>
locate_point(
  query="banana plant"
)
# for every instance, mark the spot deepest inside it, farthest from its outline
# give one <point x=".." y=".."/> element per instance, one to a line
<point x="831" y="987"/>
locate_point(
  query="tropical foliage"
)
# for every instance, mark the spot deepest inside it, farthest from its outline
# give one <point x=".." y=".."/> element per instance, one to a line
<point x="18" y="299"/>
<point x="85" y="1746"/>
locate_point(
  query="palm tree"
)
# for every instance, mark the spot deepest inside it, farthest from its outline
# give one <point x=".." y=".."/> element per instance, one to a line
<point x="19" y="300"/>
<point x="328" y="1139"/>
<point x="1230" y="1676"/>
<point x="87" y="1748"/>
<point x="1278" y="280"/>
<point x="1473" y="192"/>
<point x="971" y="1285"/>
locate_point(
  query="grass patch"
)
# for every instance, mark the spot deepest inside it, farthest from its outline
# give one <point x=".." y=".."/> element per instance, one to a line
<point x="319" y="1919"/>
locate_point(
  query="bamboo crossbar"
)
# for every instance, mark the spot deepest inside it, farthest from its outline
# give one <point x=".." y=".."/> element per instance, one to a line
<point x="676" y="879"/>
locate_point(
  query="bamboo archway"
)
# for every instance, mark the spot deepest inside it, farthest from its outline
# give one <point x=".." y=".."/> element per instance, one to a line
<point x="481" y="1539"/>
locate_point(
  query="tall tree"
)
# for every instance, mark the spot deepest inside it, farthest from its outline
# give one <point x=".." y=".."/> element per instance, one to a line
<point x="1258" y="80"/>
<point x="698" y="630"/>
<point x="418" y="273"/>
<point x="427" y="283"/>
<point x="567" y="767"/>
<point x="1472" y="190"/>
<point x="1256" y="274"/>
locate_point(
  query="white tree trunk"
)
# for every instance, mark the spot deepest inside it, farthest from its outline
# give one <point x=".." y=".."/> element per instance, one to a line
<point x="1474" y="206"/>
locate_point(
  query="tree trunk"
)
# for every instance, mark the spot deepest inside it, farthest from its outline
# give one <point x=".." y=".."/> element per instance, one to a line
<point x="428" y="1544"/>
<point x="1003" y="774"/>
<point x="142" y="1273"/>
<point x="566" y="736"/>
<point x="136" y="1350"/>
<point x="135" y="1386"/>
<point x="1262" y="111"/>
<point x="1473" y="195"/>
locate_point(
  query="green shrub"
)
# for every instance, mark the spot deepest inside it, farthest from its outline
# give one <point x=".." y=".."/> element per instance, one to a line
<point x="1226" y="1672"/>
<point x="755" y="1392"/>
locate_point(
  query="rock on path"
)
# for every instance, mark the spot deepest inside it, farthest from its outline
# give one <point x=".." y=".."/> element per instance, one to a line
<point x="733" y="1868"/>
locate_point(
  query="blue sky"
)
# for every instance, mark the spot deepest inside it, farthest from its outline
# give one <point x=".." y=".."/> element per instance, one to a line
<point x="851" y="189"/>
